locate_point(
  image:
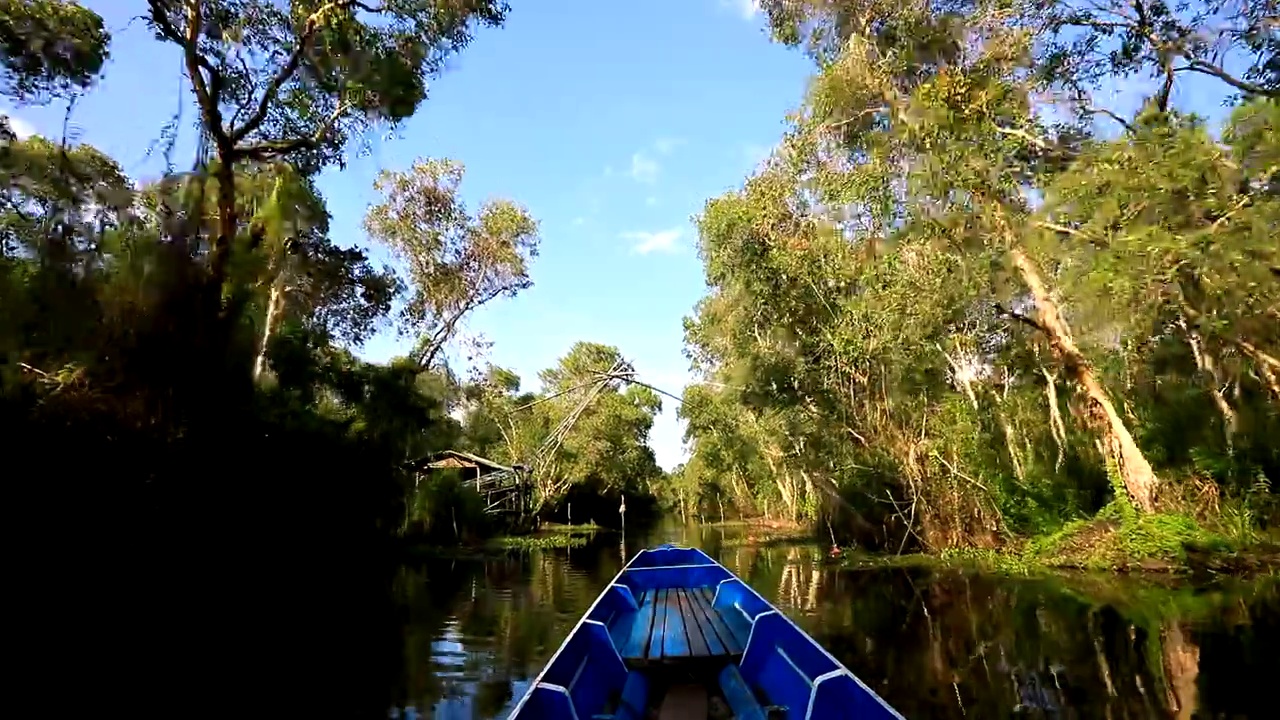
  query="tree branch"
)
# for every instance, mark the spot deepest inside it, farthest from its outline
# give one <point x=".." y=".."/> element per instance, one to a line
<point x="1093" y="110"/>
<point x="290" y="66"/>
<point x="189" y="42"/>
<point x="269" y="149"/>
<point x="1064" y="229"/>
<point x="1166" y="88"/>
<point x="1020" y="133"/>
<point x="441" y="336"/>
<point x="1030" y="322"/>
<point x="1205" y="68"/>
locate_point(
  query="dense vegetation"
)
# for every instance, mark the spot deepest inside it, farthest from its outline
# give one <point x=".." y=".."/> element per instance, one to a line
<point x="177" y="356"/>
<point x="202" y="325"/>
<point x="966" y="302"/>
<point x="963" y="303"/>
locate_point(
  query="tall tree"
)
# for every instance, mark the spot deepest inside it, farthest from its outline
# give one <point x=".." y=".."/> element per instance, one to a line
<point x="292" y="267"/>
<point x="898" y="294"/>
<point x="296" y="81"/>
<point x="455" y="262"/>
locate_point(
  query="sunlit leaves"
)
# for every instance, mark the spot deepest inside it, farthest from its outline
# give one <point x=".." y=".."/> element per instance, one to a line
<point x="300" y="80"/>
<point x="581" y="431"/>
<point x="453" y="261"/>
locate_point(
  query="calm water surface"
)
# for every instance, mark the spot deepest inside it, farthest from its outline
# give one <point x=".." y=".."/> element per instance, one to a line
<point x="935" y="644"/>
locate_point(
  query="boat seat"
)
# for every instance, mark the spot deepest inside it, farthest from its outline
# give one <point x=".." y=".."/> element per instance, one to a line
<point x="739" y="696"/>
<point x="584" y="678"/>
<point x="738" y="606"/>
<point x="634" y="702"/>
<point x="794" y="676"/>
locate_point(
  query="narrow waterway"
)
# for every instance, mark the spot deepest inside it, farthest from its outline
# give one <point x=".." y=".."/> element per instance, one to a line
<point x="934" y="643"/>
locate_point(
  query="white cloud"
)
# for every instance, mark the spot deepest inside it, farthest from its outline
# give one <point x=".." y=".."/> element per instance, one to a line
<point x="651" y="201"/>
<point x="578" y="221"/>
<point x="648" y="242"/>
<point x="665" y="145"/>
<point x="644" y="168"/>
<point x="746" y="8"/>
<point x="20" y="127"/>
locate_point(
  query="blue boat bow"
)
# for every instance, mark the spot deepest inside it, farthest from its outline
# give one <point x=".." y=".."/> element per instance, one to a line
<point x="674" y="617"/>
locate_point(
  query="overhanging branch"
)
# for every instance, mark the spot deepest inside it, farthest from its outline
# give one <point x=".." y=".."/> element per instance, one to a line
<point x="1002" y="311"/>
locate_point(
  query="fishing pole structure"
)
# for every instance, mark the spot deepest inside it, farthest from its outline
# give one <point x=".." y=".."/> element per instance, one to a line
<point x="620" y="372"/>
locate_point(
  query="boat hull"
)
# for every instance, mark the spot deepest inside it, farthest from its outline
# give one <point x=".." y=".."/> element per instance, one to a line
<point x="673" y="623"/>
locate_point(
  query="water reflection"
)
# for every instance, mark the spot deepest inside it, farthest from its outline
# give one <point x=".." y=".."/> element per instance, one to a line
<point x="934" y="644"/>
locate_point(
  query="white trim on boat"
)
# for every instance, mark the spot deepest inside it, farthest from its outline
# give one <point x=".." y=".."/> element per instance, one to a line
<point x="752" y="632"/>
<point x="611" y="645"/>
<point x="796" y="667"/>
<point x="553" y="688"/>
<point x="813" y="691"/>
<point x="675" y="567"/>
<point x="722" y="582"/>
<point x="630" y="595"/>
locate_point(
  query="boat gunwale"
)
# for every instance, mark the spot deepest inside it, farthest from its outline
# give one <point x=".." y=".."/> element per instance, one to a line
<point x="537" y="680"/>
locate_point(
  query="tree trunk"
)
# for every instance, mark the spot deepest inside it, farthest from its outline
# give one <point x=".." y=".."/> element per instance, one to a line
<point x="781" y="481"/>
<point x="1208" y="365"/>
<point x="1181" y="670"/>
<point x="1136" y="473"/>
<point x="1011" y="443"/>
<point x="275" y="308"/>
<point x="1264" y="364"/>
<point x="221" y="252"/>
<point x="1056" y="426"/>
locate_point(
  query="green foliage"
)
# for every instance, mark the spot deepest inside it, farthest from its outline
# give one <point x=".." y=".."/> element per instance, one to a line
<point x="454" y="262"/>
<point x="919" y="308"/>
<point x="298" y="80"/>
<point x="49" y="48"/>
<point x="445" y="510"/>
<point x="585" y="438"/>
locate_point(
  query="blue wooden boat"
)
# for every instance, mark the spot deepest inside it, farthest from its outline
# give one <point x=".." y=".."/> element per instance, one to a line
<point x="676" y="634"/>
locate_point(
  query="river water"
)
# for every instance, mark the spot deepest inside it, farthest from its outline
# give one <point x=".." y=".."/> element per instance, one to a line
<point x="934" y="643"/>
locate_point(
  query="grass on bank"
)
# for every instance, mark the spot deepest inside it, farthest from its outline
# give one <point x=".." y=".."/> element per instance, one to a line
<point x="1112" y="541"/>
<point x="1198" y="533"/>
<point x="548" y="536"/>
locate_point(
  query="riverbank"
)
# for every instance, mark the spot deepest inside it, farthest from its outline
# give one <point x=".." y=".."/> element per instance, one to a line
<point x="1157" y="544"/>
<point x="1116" y="540"/>
<point x="547" y="536"/>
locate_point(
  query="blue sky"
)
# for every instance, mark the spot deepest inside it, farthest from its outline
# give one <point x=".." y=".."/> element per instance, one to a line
<point x="612" y="122"/>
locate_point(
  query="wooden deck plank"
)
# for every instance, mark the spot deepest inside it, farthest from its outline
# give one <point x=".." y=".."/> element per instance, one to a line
<point x="728" y="640"/>
<point x="675" y="641"/>
<point x="638" y="641"/>
<point x="737" y="620"/>
<point x="659" y="625"/>
<point x="697" y="641"/>
<point x="703" y="612"/>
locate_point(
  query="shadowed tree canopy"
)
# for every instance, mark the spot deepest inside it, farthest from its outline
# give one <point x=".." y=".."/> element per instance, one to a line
<point x="69" y="196"/>
<point x="297" y="81"/>
<point x="300" y="78"/>
<point x="49" y="48"/>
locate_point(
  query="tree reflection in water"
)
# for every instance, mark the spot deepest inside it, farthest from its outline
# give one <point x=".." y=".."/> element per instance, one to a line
<point x="938" y="644"/>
